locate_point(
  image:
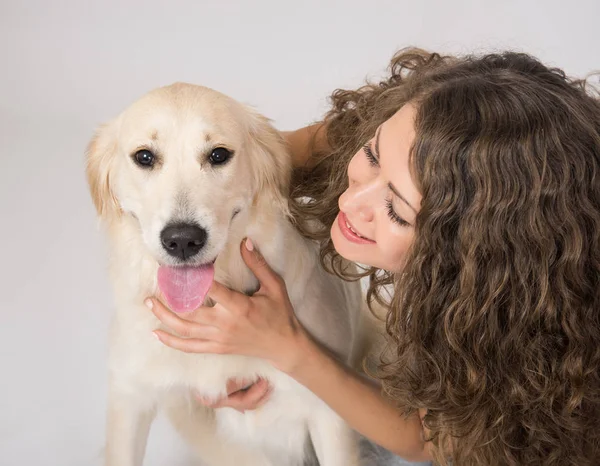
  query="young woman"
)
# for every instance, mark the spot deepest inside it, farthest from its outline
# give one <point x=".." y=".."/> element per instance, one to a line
<point x="472" y="185"/>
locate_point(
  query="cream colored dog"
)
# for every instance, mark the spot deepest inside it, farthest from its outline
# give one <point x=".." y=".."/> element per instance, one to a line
<point x="178" y="179"/>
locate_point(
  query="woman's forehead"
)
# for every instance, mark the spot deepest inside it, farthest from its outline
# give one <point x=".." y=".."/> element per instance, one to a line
<point x="394" y="139"/>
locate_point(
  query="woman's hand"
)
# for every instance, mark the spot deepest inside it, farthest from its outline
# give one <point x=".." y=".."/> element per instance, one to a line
<point x="241" y="395"/>
<point x="263" y="325"/>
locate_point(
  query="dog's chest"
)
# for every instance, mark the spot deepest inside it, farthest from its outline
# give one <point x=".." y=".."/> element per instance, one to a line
<point x="139" y="359"/>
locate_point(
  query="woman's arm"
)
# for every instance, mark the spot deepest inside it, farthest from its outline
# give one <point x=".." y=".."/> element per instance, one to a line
<point x="360" y="402"/>
<point x="305" y="142"/>
<point x="265" y="326"/>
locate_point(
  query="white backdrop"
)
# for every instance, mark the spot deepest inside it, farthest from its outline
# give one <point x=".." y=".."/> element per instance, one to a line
<point x="66" y="66"/>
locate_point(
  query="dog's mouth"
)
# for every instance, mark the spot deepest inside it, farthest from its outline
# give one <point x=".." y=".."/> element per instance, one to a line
<point x="185" y="288"/>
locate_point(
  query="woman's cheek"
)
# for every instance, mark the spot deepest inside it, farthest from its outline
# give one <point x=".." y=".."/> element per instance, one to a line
<point x="394" y="244"/>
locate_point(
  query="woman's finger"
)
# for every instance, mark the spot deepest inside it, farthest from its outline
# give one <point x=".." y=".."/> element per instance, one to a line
<point x="206" y="401"/>
<point x="190" y="345"/>
<point x="210" y="403"/>
<point x="252" y="398"/>
<point x="228" y="298"/>
<point x="199" y="328"/>
<point x="215" y="316"/>
<point x="241" y="396"/>
<point x="235" y="385"/>
<point x="258" y="265"/>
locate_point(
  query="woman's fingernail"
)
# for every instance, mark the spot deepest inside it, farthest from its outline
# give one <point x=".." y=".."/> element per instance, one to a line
<point x="203" y="400"/>
<point x="156" y="336"/>
<point x="249" y="244"/>
<point x="149" y="304"/>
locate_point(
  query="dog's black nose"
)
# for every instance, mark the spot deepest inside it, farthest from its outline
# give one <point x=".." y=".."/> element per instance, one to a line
<point x="183" y="240"/>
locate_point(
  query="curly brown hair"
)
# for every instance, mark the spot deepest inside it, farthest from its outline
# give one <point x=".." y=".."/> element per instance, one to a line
<point x="495" y="318"/>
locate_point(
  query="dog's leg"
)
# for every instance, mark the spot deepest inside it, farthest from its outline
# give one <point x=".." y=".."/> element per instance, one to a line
<point x="127" y="429"/>
<point x="197" y="425"/>
<point x="336" y="444"/>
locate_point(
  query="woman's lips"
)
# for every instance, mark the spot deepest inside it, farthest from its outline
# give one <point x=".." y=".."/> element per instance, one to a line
<point x="350" y="232"/>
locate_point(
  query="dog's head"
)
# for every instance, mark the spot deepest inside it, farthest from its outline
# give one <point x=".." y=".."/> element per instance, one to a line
<point x="184" y="160"/>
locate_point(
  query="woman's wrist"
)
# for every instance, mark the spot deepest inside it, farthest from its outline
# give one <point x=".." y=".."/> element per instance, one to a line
<point x="309" y="358"/>
<point x="288" y="357"/>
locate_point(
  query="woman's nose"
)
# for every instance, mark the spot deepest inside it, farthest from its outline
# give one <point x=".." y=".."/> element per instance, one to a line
<point x="360" y="199"/>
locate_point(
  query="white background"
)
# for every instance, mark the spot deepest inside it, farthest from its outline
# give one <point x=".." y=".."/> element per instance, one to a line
<point x="66" y="66"/>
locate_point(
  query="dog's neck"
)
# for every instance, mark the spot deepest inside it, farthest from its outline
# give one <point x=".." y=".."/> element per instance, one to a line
<point x="269" y="227"/>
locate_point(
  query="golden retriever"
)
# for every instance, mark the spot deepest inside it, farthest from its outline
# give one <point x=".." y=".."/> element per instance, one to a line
<point x="178" y="179"/>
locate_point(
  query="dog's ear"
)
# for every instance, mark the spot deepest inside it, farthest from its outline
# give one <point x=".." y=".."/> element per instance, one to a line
<point x="271" y="160"/>
<point x="100" y="154"/>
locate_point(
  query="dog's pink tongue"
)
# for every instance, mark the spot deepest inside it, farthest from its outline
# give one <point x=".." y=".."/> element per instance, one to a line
<point x="185" y="288"/>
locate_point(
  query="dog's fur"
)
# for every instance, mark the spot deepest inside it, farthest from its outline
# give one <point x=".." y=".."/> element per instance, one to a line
<point x="182" y="123"/>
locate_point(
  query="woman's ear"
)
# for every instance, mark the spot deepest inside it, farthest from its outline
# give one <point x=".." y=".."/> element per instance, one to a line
<point x="100" y="156"/>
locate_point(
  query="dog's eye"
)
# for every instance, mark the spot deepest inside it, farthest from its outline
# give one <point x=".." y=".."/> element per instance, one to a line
<point x="144" y="157"/>
<point x="219" y="156"/>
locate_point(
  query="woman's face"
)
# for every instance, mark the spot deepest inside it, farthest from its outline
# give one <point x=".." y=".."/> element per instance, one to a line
<point x="375" y="225"/>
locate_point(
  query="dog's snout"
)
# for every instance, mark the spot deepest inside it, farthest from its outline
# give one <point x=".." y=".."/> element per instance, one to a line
<point x="183" y="240"/>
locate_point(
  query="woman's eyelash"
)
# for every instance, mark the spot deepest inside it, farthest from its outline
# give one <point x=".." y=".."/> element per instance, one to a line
<point x="390" y="208"/>
<point x="394" y="216"/>
<point x="370" y="157"/>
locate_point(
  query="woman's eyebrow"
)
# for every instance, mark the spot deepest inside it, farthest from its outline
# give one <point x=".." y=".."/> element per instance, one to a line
<point x="395" y="191"/>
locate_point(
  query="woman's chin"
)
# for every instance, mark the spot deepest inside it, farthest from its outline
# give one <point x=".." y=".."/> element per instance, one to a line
<point x="358" y="253"/>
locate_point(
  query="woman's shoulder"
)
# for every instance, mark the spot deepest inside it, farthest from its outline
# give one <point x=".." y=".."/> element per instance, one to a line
<point x="305" y="142"/>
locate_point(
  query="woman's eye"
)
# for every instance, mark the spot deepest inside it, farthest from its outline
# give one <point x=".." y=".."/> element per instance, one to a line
<point x="219" y="156"/>
<point x="144" y="158"/>
<point x="394" y="216"/>
<point x="370" y="156"/>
